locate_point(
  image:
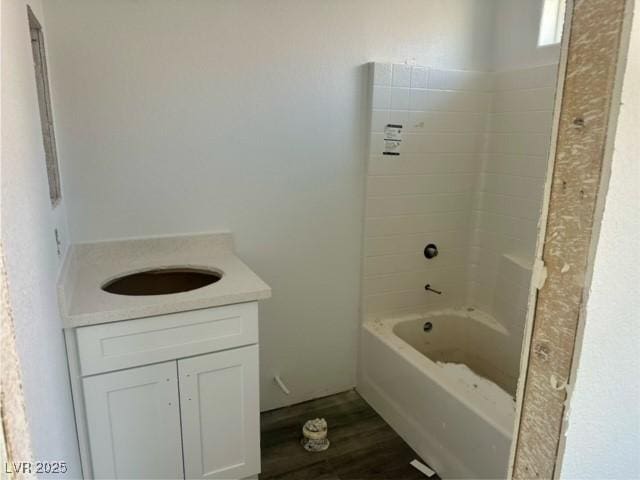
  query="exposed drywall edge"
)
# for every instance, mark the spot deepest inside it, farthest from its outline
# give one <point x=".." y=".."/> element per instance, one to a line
<point x="598" y="215"/>
<point x="542" y="228"/>
<point x="539" y="276"/>
<point x="576" y="179"/>
<point x="59" y="211"/>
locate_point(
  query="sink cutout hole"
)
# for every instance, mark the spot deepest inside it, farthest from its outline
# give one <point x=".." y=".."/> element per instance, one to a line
<point x="162" y="281"/>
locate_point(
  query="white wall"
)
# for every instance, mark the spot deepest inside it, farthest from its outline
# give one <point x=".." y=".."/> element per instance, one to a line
<point x="603" y="435"/>
<point x="177" y="117"/>
<point x="28" y="237"/>
<point x="517" y="23"/>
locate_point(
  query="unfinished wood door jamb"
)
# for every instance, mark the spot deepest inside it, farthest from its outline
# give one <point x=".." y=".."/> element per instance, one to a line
<point x="588" y="96"/>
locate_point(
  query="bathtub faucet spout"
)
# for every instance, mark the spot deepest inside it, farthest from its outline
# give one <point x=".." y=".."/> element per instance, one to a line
<point x="428" y="287"/>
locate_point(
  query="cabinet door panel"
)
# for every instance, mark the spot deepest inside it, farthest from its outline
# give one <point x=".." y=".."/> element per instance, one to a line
<point x="133" y="420"/>
<point x="220" y="414"/>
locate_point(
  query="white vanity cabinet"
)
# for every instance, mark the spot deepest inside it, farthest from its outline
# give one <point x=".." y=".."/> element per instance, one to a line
<point x="172" y="396"/>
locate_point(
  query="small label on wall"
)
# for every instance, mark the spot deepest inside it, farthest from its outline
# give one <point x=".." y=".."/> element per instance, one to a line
<point x="392" y="139"/>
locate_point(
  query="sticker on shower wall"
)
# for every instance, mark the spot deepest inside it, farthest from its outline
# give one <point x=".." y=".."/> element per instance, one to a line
<point x="392" y="139"/>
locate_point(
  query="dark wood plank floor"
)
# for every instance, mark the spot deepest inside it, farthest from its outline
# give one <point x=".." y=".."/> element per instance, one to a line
<point x="362" y="447"/>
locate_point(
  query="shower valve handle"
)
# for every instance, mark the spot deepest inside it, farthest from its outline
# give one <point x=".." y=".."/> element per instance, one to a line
<point x="431" y="251"/>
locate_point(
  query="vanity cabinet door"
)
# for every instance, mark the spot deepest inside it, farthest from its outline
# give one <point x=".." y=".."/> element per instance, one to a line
<point x="133" y="420"/>
<point x="219" y="402"/>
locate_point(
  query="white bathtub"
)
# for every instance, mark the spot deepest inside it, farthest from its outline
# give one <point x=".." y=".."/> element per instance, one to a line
<point x="458" y="420"/>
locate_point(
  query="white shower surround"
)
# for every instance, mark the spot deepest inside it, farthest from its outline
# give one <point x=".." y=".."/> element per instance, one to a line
<point x="425" y="195"/>
<point x="513" y="166"/>
<point x="469" y="178"/>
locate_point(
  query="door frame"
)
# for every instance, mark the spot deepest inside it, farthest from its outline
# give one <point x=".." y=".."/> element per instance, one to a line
<point x="592" y="63"/>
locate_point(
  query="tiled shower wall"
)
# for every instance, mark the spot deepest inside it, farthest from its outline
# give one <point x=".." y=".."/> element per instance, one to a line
<point x="468" y="178"/>
<point x="425" y="194"/>
<point x="509" y="198"/>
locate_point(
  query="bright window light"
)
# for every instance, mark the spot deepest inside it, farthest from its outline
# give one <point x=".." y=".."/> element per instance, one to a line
<point x="551" y="22"/>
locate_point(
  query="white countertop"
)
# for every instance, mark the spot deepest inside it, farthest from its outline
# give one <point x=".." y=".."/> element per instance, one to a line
<point x="88" y="266"/>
